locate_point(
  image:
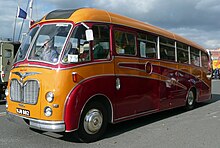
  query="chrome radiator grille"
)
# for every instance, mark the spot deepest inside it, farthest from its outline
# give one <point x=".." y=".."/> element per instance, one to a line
<point x="26" y="93"/>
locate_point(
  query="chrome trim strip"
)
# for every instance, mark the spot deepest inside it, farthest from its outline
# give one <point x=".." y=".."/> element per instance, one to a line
<point x="89" y="63"/>
<point x="175" y="51"/>
<point x="176" y="83"/>
<point x="136" y="115"/>
<point x="127" y="67"/>
<point x="53" y="126"/>
<point x="71" y="67"/>
<point x="159" y="66"/>
<point x="34" y="66"/>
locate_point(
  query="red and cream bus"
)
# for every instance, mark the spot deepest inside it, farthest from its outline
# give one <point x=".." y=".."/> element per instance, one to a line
<point x="79" y="70"/>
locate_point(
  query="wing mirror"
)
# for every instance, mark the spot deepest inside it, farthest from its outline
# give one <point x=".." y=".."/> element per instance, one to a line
<point x="89" y="33"/>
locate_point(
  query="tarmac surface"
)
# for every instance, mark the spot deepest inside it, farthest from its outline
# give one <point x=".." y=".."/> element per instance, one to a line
<point x="198" y="128"/>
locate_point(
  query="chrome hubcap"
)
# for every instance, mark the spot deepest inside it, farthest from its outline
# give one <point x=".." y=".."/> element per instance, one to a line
<point x="190" y="98"/>
<point x="93" y="121"/>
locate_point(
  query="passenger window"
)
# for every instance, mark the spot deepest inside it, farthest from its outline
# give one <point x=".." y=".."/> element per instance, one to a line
<point x="167" y="49"/>
<point x="194" y="55"/>
<point x="77" y="49"/>
<point x="101" y="46"/>
<point x="125" y="43"/>
<point x="182" y="53"/>
<point x="147" y="46"/>
<point x="205" y="60"/>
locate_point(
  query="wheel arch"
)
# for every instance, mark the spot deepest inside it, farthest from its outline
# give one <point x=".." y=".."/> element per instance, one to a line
<point x="194" y="89"/>
<point x="103" y="99"/>
<point x="195" y="92"/>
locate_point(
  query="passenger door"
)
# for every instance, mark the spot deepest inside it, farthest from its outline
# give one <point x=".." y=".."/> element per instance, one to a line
<point x="149" y="72"/>
<point x="128" y="97"/>
<point x="169" y="74"/>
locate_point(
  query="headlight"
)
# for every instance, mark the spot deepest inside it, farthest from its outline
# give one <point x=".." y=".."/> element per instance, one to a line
<point x="48" y="111"/>
<point x="50" y="97"/>
<point x="6" y="92"/>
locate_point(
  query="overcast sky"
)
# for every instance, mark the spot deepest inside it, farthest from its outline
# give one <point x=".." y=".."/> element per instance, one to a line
<point x="197" y="20"/>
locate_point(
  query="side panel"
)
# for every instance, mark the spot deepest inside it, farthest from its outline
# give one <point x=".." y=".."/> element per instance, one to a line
<point x="205" y="93"/>
<point x="168" y="90"/>
<point x="184" y="80"/>
<point x="128" y="96"/>
<point x="139" y="91"/>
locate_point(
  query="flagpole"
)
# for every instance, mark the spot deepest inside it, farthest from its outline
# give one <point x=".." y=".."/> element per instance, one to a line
<point x="15" y="24"/>
<point x="22" y="25"/>
<point x="31" y="10"/>
<point x="31" y="7"/>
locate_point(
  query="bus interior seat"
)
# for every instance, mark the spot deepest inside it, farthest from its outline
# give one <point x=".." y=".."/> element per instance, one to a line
<point x="101" y="50"/>
<point x="151" y="53"/>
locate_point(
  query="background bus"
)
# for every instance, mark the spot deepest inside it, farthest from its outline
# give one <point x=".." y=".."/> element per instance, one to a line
<point x="8" y="50"/>
<point x="215" y="56"/>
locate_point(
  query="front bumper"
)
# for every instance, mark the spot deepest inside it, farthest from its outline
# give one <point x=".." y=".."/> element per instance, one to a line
<point x="52" y="126"/>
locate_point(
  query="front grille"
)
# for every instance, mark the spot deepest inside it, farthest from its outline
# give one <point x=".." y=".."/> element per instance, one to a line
<point x="15" y="91"/>
<point x="26" y="93"/>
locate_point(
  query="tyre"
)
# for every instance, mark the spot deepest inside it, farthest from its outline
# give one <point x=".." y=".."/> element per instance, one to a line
<point x="190" y="102"/>
<point x="93" y="122"/>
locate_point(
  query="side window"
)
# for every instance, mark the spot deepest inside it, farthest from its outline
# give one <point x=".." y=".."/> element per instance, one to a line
<point x="101" y="44"/>
<point x="182" y="53"/>
<point x="22" y="51"/>
<point x="147" y="46"/>
<point x="167" y="49"/>
<point x="125" y="43"/>
<point x="77" y="49"/>
<point x="8" y="53"/>
<point x="194" y="55"/>
<point x="205" y="60"/>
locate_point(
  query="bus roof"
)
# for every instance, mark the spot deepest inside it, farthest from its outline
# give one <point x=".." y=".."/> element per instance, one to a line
<point x="96" y="15"/>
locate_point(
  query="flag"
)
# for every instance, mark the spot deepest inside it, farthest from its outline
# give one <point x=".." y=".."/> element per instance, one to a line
<point x="23" y="14"/>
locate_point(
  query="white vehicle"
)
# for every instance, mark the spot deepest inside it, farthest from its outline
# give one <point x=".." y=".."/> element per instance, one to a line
<point x="7" y="53"/>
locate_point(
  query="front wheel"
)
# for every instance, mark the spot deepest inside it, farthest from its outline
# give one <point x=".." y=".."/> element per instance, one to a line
<point x="190" y="102"/>
<point x="93" y="122"/>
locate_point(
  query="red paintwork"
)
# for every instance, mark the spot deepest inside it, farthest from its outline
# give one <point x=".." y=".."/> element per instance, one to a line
<point x="137" y="94"/>
<point x="82" y="93"/>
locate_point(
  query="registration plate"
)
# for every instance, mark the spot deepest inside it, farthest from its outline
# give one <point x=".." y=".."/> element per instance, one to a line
<point x="23" y="111"/>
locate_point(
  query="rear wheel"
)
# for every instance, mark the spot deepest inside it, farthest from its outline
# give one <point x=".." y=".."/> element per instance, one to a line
<point x="93" y="122"/>
<point x="190" y="102"/>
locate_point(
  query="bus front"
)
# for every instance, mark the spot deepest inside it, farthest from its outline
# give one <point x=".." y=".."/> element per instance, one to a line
<point x="37" y="84"/>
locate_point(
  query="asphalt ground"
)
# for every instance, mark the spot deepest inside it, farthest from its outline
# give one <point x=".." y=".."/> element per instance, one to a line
<point x="176" y="128"/>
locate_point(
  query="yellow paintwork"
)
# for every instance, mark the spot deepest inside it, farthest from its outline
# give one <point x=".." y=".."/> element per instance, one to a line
<point x="58" y="81"/>
<point x="96" y="15"/>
